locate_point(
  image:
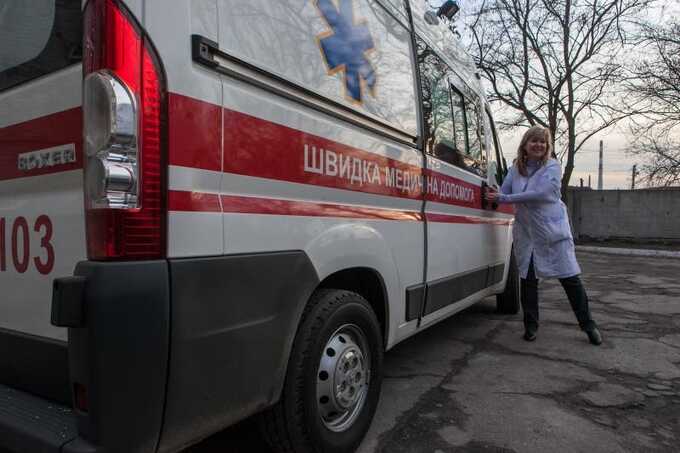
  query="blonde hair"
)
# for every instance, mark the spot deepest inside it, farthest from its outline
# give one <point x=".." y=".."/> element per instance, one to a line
<point x="534" y="131"/>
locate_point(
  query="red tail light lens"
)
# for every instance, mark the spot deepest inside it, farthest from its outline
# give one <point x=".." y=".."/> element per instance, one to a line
<point x="125" y="172"/>
<point x="80" y="397"/>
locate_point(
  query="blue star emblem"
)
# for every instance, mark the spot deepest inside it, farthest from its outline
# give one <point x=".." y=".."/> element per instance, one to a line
<point x="344" y="47"/>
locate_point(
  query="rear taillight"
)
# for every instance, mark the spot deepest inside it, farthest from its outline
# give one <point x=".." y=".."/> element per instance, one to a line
<point x="111" y="140"/>
<point x="124" y="108"/>
<point x="80" y="397"/>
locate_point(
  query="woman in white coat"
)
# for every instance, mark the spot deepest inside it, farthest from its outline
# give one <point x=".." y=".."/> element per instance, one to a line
<point x="543" y="245"/>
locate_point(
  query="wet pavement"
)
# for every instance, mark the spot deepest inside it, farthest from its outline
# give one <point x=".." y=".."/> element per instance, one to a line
<point x="471" y="384"/>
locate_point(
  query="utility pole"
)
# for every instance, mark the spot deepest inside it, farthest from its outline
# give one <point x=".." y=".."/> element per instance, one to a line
<point x="589" y="184"/>
<point x="632" y="184"/>
<point x="599" y="168"/>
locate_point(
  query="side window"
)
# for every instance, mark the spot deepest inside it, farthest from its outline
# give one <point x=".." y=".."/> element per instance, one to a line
<point x="449" y="134"/>
<point x="438" y="133"/>
<point x="38" y="38"/>
<point x="440" y="123"/>
<point x="476" y="154"/>
<point x="497" y="165"/>
<point x="459" y="122"/>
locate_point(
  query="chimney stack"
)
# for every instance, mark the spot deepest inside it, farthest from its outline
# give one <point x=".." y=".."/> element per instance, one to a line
<point x="599" y="168"/>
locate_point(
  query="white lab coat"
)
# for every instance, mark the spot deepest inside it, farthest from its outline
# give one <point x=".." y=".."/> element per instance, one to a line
<point x="541" y="222"/>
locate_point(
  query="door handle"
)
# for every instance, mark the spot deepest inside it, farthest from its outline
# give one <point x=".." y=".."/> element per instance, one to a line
<point x="485" y="203"/>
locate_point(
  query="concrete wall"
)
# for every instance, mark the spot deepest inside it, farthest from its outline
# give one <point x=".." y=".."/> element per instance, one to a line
<point x="630" y="214"/>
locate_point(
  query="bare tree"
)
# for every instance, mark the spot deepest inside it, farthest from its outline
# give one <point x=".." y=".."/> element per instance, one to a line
<point x="555" y="63"/>
<point x="662" y="160"/>
<point x="654" y="90"/>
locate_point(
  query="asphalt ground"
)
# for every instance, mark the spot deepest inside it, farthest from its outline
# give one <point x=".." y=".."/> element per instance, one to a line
<point x="472" y="384"/>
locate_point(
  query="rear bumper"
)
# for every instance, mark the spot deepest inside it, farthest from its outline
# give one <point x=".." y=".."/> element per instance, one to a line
<point x="153" y="385"/>
<point x="119" y="355"/>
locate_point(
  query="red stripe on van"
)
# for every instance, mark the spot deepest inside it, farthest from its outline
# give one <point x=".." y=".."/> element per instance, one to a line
<point x="193" y="201"/>
<point x="62" y="128"/>
<point x="201" y="202"/>
<point x="445" y="218"/>
<point x="254" y="205"/>
<point x="442" y="188"/>
<point x="255" y="147"/>
<point x="182" y="201"/>
<point x="194" y="133"/>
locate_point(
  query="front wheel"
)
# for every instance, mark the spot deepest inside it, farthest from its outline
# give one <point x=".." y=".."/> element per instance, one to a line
<point x="333" y="380"/>
<point x="508" y="301"/>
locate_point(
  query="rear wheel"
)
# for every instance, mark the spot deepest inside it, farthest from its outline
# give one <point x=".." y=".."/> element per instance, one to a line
<point x="508" y="301"/>
<point x="333" y="379"/>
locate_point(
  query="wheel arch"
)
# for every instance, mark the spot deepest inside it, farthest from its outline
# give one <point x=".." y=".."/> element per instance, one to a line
<point x="370" y="285"/>
<point x="365" y="281"/>
<point x="354" y="258"/>
<point x="358" y="251"/>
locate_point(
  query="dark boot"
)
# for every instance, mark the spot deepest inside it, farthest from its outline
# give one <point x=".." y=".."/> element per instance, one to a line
<point x="529" y="290"/>
<point x="594" y="336"/>
<point x="529" y="334"/>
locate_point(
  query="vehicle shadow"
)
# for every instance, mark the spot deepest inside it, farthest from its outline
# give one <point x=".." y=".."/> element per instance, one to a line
<point x="244" y="437"/>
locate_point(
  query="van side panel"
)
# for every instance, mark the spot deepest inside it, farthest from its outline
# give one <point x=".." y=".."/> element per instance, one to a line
<point x="272" y="202"/>
<point x="295" y="176"/>
<point x="239" y="194"/>
<point x="196" y="207"/>
<point x="195" y="125"/>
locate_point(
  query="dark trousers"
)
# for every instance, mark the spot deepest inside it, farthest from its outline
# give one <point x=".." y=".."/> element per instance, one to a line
<point x="576" y="294"/>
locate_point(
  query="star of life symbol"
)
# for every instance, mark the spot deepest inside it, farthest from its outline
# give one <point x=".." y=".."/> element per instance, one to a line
<point x="344" y="47"/>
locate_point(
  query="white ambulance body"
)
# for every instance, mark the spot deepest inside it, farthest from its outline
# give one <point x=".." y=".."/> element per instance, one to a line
<point x="211" y="209"/>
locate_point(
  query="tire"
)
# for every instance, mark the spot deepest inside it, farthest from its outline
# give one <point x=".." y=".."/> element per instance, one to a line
<point x="508" y="301"/>
<point x="338" y="331"/>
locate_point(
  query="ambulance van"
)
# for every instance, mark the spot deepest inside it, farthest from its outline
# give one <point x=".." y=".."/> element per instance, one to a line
<point x="217" y="209"/>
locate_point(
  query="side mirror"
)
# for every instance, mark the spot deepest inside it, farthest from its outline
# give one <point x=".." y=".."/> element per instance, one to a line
<point x="448" y="9"/>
